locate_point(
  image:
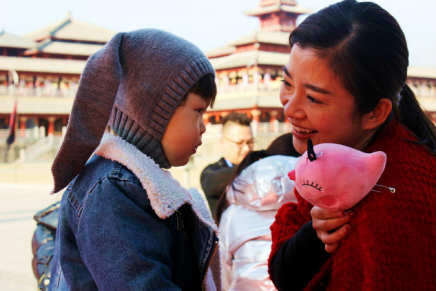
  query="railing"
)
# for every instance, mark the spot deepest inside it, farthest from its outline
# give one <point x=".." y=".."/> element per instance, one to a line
<point x="39" y="148"/>
<point x="211" y="130"/>
<point x="251" y="87"/>
<point x="71" y="92"/>
<point x="24" y="135"/>
<point x="214" y="130"/>
<point x="37" y="92"/>
<point x="270" y="127"/>
<point x="422" y="89"/>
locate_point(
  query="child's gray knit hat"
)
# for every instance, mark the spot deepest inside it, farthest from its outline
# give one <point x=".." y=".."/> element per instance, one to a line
<point x="135" y="84"/>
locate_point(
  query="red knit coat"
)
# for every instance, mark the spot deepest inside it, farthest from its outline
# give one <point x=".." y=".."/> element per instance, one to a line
<point x="392" y="244"/>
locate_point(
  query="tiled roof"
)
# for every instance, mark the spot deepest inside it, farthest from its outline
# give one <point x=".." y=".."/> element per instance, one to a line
<point x="13" y="41"/>
<point x="72" y="29"/>
<point x="250" y="58"/>
<point x="42" y="65"/>
<point x="225" y="50"/>
<point x="261" y="36"/>
<point x="419" y="72"/>
<point x="260" y="10"/>
<point x="68" y="48"/>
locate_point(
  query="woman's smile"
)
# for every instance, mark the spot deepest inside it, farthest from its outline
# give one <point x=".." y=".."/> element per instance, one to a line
<point x="302" y="133"/>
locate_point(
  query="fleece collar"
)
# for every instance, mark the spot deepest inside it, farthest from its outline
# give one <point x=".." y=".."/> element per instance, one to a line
<point x="165" y="193"/>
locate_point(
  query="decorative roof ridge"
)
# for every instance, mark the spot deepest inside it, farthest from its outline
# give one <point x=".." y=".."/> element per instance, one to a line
<point x="67" y="21"/>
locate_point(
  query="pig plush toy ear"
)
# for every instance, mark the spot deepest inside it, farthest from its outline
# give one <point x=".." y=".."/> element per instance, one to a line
<point x="291" y="175"/>
<point x="336" y="177"/>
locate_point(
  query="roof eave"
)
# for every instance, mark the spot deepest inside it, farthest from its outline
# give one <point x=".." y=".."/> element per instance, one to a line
<point x="273" y="9"/>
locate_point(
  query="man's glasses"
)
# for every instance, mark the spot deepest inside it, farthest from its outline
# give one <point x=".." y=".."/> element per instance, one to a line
<point x="240" y="144"/>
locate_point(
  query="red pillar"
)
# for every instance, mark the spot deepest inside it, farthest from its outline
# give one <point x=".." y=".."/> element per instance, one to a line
<point x="23" y="125"/>
<point x="51" y="121"/>
<point x="288" y="127"/>
<point x="274" y="125"/>
<point x="273" y="116"/>
<point x="256" y="115"/>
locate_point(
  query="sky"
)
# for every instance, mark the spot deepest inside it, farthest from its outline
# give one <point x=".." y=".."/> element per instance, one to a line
<point x="207" y="23"/>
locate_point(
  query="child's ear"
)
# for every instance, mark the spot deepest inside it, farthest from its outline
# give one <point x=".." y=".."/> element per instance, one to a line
<point x="376" y="117"/>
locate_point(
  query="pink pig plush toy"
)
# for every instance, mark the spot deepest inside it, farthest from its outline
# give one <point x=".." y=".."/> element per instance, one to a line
<point x="336" y="177"/>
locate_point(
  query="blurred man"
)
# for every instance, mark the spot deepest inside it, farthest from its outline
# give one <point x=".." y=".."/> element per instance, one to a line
<point x="236" y="142"/>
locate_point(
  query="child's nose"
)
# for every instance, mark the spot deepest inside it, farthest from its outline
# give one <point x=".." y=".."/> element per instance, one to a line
<point x="202" y="127"/>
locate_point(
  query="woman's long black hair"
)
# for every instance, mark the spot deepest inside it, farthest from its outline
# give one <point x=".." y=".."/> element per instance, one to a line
<point x="367" y="50"/>
<point x="280" y="146"/>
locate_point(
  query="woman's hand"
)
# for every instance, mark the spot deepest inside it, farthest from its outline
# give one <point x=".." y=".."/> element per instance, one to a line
<point x="331" y="226"/>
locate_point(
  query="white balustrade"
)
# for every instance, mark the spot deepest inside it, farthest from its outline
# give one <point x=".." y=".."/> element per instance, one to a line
<point x="214" y="130"/>
<point x="250" y="87"/>
<point x="38" y="91"/>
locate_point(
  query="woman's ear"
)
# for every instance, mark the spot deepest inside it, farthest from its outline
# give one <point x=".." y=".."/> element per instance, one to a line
<point x="376" y="117"/>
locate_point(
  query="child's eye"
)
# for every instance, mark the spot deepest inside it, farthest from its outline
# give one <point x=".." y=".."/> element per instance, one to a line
<point x="200" y="110"/>
<point x="313" y="100"/>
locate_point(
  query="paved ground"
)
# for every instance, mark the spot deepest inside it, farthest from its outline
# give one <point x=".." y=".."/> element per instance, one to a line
<point x="18" y="204"/>
<point x="38" y="173"/>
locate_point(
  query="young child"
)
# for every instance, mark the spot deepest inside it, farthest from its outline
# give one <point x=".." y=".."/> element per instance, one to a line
<point x="258" y="188"/>
<point x="124" y="222"/>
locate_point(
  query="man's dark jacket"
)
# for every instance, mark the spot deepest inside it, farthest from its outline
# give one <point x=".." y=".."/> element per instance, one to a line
<point x="214" y="180"/>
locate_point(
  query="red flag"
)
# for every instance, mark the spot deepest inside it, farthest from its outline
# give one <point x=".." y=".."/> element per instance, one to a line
<point x="12" y="121"/>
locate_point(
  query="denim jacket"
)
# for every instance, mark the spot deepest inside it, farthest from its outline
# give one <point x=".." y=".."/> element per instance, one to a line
<point x="126" y="224"/>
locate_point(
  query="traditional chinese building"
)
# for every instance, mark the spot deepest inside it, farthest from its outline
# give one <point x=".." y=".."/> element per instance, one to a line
<point x="41" y="70"/>
<point x="249" y="68"/>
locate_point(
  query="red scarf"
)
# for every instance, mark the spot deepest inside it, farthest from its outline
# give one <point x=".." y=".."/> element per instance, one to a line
<point x="392" y="245"/>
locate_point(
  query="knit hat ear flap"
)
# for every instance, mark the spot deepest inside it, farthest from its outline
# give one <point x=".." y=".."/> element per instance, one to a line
<point x="91" y="111"/>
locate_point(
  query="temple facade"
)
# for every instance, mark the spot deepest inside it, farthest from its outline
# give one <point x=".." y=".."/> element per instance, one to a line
<point x="40" y="72"/>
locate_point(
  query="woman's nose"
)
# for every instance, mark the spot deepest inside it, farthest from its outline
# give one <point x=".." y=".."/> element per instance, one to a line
<point x="293" y="106"/>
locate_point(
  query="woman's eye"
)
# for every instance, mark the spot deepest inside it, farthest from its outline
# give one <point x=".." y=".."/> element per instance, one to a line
<point x="286" y="83"/>
<point x="313" y="100"/>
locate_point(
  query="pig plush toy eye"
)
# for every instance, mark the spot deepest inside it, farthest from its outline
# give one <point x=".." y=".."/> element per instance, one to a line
<point x="336" y="177"/>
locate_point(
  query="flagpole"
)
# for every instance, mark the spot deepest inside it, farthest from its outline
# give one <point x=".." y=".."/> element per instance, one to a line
<point x="13" y="118"/>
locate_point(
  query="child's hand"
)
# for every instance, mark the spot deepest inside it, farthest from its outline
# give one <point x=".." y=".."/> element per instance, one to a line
<point x="331" y="226"/>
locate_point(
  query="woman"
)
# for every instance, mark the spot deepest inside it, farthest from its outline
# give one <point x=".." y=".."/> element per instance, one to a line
<point x="258" y="188"/>
<point x="345" y="83"/>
